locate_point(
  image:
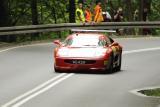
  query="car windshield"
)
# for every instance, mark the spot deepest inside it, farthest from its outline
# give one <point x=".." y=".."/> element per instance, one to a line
<point x="84" y="41"/>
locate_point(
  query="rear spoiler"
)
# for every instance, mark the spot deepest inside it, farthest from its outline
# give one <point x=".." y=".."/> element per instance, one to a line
<point x="83" y="30"/>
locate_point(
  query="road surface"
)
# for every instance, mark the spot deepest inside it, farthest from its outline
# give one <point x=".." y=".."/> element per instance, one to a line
<point x="27" y="78"/>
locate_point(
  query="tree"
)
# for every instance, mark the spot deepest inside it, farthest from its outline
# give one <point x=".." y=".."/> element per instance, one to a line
<point x="34" y="16"/>
<point x="72" y="11"/>
<point x="34" y="12"/>
<point x="4" y="13"/>
<point x="144" y="4"/>
<point x="4" y="17"/>
<point x="129" y="11"/>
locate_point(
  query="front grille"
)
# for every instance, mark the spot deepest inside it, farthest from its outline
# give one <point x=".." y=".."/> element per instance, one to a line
<point x="72" y="61"/>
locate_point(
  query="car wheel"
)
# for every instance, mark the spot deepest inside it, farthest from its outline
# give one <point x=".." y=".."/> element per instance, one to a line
<point x="118" y="68"/>
<point x="57" y="70"/>
<point x="111" y="68"/>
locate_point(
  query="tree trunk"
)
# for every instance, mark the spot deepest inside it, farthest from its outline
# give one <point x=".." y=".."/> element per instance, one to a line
<point x="129" y="11"/>
<point x="4" y="13"/>
<point x="54" y="15"/>
<point x="147" y="4"/>
<point x="41" y="20"/>
<point x="129" y="14"/>
<point x="34" y="11"/>
<point x="141" y="7"/>
<point x="5" y="20"/>
<point x="72" y="11"/>
<point x="145" y="9"/>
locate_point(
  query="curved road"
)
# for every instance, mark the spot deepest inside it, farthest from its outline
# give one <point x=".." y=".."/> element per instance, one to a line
<point x="27" y="78"/>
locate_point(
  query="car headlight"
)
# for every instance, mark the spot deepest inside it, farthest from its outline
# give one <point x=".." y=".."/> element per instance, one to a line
<point x="101" y="53"/>
<point x="62" y="53"/>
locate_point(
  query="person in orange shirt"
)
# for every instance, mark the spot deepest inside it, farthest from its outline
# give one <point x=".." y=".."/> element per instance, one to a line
<point x="88" y="14"/>
<point x="98" y="12"/>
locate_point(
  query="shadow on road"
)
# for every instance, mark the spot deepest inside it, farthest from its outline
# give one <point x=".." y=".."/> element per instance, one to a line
<point x="94" y="72"/>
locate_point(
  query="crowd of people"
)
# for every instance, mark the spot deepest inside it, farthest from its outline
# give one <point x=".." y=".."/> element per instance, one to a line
<point x="87" y="15"/>
<point x="96" y="15"/>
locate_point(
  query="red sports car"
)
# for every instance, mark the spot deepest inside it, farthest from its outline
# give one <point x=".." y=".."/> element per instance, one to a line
<point x="87" y="51"/>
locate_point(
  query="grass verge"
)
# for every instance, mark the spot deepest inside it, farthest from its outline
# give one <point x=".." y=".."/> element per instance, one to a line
<point x="151" y="92"/>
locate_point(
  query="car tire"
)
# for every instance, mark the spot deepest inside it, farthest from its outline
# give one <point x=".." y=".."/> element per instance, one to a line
<point x="118" y="68"/>
<point x="57" y="70"/>
<point x="111" y="68"/>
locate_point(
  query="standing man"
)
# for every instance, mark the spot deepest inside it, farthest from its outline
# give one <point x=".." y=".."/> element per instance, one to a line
<point x="135" y="16"/>
<point x="88" y="14"/>
<point x="118" y="17"/>
<point x="80" y="14"/>
<point x="146" y="31"/>
<point x="98" y="12"/>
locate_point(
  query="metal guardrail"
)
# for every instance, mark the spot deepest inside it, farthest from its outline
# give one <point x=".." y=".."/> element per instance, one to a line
<point x="67" y="26"/>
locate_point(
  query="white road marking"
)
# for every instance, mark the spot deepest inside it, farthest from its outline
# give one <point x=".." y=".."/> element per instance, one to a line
<point x="42" y="90"/>
<point x="134" y="38"/>
<point x="4" y="50"/>
<point x="56" y="80"/>
<point x="141" y="50"/>
<point x="39" y="44"/>
<point x="33" y="90"/>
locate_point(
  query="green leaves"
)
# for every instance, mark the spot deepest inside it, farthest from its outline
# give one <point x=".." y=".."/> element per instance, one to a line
<point x="55" y="11"/>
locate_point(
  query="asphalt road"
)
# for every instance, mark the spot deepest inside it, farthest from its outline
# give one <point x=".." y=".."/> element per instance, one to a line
<point x="27" y="78"/>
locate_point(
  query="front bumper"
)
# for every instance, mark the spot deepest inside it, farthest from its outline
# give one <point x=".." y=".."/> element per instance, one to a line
<point x="98" y="65"/>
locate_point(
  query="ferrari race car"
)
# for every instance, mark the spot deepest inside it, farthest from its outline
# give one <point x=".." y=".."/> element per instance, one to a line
<point x="87" y="50"/>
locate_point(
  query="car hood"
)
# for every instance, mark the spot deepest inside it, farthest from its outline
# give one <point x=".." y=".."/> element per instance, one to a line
<point x="81" y="52"/>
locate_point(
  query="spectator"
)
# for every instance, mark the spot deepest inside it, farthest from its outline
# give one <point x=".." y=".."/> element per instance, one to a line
<point x="135" y="16"/>
<point x="136" y="12"/>
<point x="88" y="14"/>
<point x="106" y="16"/>
<point x="98" y="12"/>
<point x="118" y="17"/>
<point x="80" y="14"/>
<point x="146" y="31"/>
<point x="145" y="14"/>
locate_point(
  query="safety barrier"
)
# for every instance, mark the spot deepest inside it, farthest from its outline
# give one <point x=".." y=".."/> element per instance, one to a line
<point x="67" y="26"/>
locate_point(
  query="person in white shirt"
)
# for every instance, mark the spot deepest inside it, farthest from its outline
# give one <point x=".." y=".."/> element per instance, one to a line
<point x="106" y="15"/>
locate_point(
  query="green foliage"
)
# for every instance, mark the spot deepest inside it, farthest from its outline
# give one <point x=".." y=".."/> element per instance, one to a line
<point x="151" y="92"/>
<point x="155" y="10"/>
<point x="56" y="11"/>
<point x="20" y="12"/>
<point x="51" y="11"/>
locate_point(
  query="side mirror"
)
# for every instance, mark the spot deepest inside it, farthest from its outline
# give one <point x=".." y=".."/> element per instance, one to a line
<point x="114" y="44"/>
<point x="57" y="42"/>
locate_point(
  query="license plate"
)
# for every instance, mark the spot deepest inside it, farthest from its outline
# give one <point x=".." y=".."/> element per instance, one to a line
<point x="79" y="62"/>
